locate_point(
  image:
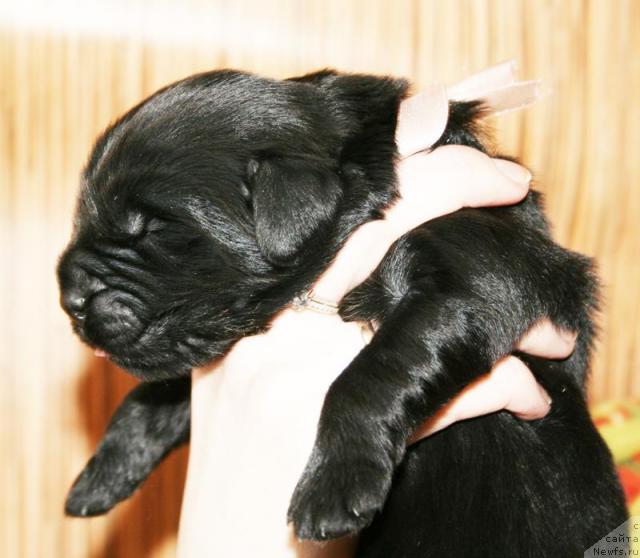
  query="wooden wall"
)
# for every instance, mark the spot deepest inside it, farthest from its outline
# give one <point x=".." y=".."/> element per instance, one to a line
<point x="67" y="68"/>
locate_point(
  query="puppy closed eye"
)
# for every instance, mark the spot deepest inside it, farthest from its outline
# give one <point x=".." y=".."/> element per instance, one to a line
<point x="136" y="225"/>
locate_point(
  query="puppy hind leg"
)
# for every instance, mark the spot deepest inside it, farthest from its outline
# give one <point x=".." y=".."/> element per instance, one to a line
<point x="152" y="420"/>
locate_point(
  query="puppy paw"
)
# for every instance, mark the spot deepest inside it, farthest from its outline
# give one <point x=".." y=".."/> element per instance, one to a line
<point x="97" y="489"/>
<point x="335" y="498"/>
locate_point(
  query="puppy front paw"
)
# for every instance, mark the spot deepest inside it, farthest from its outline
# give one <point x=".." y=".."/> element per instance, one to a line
<point x="338" y="497"/>
<point x="98" y="488"/>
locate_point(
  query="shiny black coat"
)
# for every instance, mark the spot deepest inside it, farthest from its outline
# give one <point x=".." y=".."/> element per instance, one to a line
<point x="210" y="205"/>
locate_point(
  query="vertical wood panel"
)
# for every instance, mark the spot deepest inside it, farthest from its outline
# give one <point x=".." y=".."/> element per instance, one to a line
<point x="68" y="68"/>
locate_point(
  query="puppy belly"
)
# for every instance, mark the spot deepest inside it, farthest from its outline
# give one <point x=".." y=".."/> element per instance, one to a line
<point x="254" y="419"/>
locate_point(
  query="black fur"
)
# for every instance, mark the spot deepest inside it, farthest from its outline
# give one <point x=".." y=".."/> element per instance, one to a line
<point x="150" y="422"/>
<point x="210" y="205"/>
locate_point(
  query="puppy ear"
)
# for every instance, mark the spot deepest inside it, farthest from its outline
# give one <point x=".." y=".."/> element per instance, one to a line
<point x="362" y="101"/>
<point x="292" y="198"/>
<point x="364" y="110"/>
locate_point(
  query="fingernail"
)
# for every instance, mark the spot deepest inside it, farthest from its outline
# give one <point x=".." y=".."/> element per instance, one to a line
<point x="569" y="337"/>
<point x="545" y="395"/>
<point x="513" y="171"/>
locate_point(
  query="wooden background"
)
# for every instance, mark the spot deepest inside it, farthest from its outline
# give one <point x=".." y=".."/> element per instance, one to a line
<point x="68" y="68"/>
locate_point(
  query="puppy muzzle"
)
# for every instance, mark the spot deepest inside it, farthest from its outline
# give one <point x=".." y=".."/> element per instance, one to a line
<point x="111" y="320"/>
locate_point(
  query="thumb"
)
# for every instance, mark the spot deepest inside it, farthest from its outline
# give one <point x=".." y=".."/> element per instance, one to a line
<point x="482" y="181"/>
<point x="452" y="177"/>
<point x="516" y="184"/>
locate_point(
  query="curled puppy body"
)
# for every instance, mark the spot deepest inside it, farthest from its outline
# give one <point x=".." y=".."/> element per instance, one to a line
<point x="208" y="207"/>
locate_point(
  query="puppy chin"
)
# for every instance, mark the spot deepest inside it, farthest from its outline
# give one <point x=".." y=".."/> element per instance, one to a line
<point x="152" y="373"/>
<point x="156" y="361"/>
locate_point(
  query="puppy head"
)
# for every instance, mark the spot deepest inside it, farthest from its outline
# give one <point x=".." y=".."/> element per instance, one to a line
<point x="205" y="208"/>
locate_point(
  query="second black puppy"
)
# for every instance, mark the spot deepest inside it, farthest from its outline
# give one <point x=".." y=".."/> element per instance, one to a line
<point x="208" y="207"/>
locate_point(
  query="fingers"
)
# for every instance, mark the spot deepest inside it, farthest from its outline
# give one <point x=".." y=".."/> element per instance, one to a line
<point x="516" y="189"/>
<point x="548" y="341"/>
<point x="449" y="178"/>
<point x="510" y="385"/>
<point x="478" y="179"/>
<point x="525" y="398"/>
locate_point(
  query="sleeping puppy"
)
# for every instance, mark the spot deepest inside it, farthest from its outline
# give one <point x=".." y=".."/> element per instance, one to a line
<point x="211" y="205"/>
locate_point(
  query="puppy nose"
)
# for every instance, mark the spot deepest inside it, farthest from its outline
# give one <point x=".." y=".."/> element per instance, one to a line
<point x="77" y="286"/>
<point x="74" y="303"/>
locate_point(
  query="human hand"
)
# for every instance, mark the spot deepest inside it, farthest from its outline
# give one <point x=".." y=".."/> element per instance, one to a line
<point x="472" y="179"/>
<point x="509" y="386"/>
<point x="431" y="184"/>
<point x="458" y="176"/>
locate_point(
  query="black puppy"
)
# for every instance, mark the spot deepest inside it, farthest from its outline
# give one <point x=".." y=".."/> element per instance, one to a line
<point x="209" y="206"/>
